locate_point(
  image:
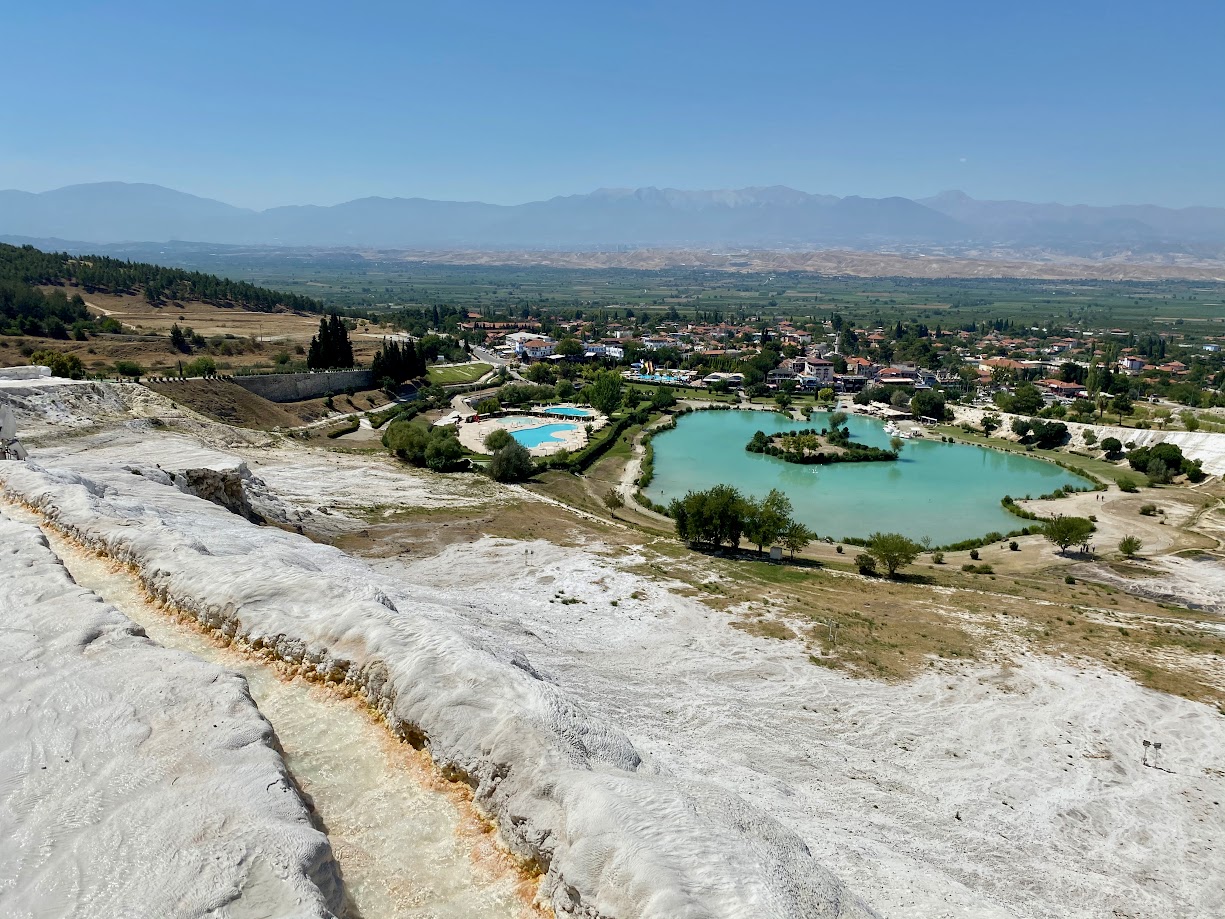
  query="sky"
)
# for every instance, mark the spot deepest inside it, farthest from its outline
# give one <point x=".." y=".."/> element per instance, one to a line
<point x="267" y="103"/>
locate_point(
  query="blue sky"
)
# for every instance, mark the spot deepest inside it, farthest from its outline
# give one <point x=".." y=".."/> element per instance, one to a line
<point x="264" y="103"/>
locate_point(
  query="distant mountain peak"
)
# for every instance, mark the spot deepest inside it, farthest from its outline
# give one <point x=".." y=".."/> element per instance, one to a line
<point x="765" y="216"/>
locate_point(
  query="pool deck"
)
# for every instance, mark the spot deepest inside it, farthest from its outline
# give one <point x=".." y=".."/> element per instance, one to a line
<point x="472" y="434"/>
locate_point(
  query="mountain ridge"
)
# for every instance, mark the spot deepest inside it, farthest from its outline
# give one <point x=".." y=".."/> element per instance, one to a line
<point x="764" y="216"/>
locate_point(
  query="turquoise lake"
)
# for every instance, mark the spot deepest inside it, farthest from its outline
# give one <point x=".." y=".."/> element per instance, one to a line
<point x="949" y="492"/>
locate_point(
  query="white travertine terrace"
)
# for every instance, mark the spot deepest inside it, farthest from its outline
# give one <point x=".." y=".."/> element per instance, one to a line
<point x="136" y="780"/>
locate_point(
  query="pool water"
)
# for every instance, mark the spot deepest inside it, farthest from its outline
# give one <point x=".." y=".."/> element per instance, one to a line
<point x="949" y="492"/>
<point x="534" y="437"/>
<point x="567" y="410"/>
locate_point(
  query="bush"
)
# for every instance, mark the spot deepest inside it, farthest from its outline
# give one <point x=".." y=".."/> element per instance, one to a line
<point x="1148" y="510"/>
<point x="129" y="369"/>
<point x="63" y="365"/>
<point x="497" y="439"/>
<point x="202" y="366"/>
<point x="1130" y="545"/>
<point x="511" y="463"/>
<point x="1068" y="579"/>
<point x="613" y="499"/>
<point x="978" y="569"/>
<point x="938" y="557"/>
<point x="1128" y="484"/>
<point x="866" y="564"/>
<point x="974" y="554"/>
<point x="1014" y="546"/>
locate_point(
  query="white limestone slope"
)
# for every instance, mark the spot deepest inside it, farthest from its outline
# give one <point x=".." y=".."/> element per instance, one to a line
<point x="134" y="780"/>
<point x="615" y="835"/>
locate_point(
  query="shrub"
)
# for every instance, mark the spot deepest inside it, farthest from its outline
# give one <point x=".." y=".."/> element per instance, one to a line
<point x="1128" y="484"/>
<point x="978" y="569"/>
<point x="497" y="439"/>
<point x="1130" y="545"/>
<point x="613" y="499"/>
<point x="1148" y="510"/>
<point x="938" y="557"/>
<point x="866" y="564"/>
<point x="129" y="369"/>
<point x="63" y="365"/>
<point x="1068" y="579"/>
<point x="1014" y="547"/>
<point x="974" y="554"/>
<point x="511" y="463"/>
<point x="203" y="366"/>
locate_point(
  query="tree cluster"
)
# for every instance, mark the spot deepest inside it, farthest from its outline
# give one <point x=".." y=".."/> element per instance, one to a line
<point x="397" y="362"/>
<point x="331" y="347"/>
<point x="722" y="515"/>
<point x="1161" y="462"/>
<point x="436" y="448"/>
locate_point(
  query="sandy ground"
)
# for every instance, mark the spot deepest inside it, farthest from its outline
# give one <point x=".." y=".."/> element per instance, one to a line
<point x="134" y="780"/>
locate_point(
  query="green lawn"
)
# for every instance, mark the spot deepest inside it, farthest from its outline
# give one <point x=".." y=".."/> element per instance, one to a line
<point x="463" y="373"/>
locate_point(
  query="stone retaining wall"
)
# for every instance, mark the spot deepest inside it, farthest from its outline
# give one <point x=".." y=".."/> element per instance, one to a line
<point x="294" y="387"/>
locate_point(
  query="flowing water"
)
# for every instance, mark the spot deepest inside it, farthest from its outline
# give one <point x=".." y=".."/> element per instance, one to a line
<point x="949" y="492"/>
<point x="407" y="843"/>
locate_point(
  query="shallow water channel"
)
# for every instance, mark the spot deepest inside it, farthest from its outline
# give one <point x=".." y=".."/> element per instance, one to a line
<point x="407" y="843"/>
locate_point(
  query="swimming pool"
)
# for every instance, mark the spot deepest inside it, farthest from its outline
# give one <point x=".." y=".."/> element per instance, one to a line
<point x="534" y="437"/>
<point x="568" y="410"/>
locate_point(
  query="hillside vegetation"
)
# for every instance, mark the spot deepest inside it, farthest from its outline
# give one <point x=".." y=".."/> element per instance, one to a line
<point x="24" y="269"/>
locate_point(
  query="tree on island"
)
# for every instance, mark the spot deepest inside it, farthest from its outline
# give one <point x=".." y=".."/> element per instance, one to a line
<point x="893" y="550"/>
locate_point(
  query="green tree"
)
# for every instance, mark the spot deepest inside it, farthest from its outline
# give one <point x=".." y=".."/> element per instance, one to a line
<point x="1067" y="531"/>
<point x="498" y="438"/>
<point x="511" y="463"/>
<point x="1121" y="405"/>
<point x="826" y="395"/>
<point x="569" y="347"/>
<point x="765" y="520"/>
<point x="604" y="391"/>
<point x="990" y="423"/>
<point x="796" y="536"/>
<point x="129" y="369"/>
<point x="60" y="364"/>
<point x="443" y="450"/>
<point x="928" y="403"/>
<point x="893" y="550"/>
<point x="1130" y="546"/>
<point x="715" y="516"/>
<point x="662" y="398"/>
<point x="1112" y="445"/>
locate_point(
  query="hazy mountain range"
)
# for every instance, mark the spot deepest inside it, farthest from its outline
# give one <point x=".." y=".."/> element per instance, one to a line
<point x="779" y="217"/>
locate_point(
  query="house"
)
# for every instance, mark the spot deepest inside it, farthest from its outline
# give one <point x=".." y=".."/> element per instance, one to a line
<point x="537" y="349"/>
<point x="783" y="373"/>
<point x="1131" y="364"/>
<point x="1063" y="390"/>
<point x="858" y="366"/>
